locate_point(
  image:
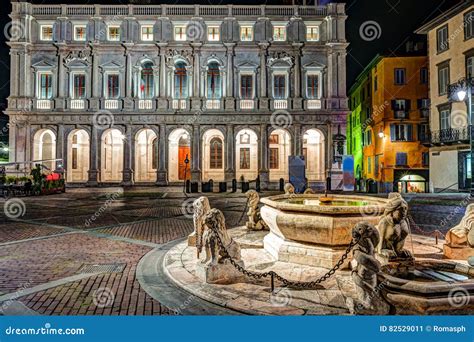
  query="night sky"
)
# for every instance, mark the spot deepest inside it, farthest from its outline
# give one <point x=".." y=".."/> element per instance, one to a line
<point x="397" y="20"/>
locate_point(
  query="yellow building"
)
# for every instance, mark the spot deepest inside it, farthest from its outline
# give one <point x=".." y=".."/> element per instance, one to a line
<point x="394" y="158"/>
<point x="451" y="58"/>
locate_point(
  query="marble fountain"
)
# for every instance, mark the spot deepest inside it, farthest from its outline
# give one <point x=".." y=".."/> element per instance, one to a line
<point x="300" y="238"/>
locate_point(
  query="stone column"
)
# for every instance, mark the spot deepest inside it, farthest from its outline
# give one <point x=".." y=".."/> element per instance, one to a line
<point x="128" y="101"/>
<point x="162" y="173"/>
<point x="127" y="178"/>
<point x="196" y="154"/>
<point x="230" y="96"/>
<point x="196" y="100"/>
<point x="95" y="82"/>
<point x="263" y="86"/>
<point x="298" y="143"/>
<point x="60" y="149"/>
<point x="62" y="81"/>
<point x="230" y="154"/>
<point x="263" y="157"/>
<point x="14" y="72"/>
<point x="93" y="161"/>
<point x="297" y="100"/>
<point x="162" y="101"/>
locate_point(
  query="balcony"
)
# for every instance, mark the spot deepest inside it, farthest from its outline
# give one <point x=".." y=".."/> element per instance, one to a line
<point x="77" y="104"/>
<point x="43" y="104"/>
<point x="145" y="104"/>
<point x="213" y="104"/>
<point x="111" y="104"/>
<point x="450" y="136"/>
<point x="179" y="104"/>
<point x="247" y="104"/>
<point x="280" y="104"/>
<point x="314" y="104"/>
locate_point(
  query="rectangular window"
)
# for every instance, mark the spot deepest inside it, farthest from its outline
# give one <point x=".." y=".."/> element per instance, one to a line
<point x="443" y="79"/>
<point x="424" y="107"/>
<point x="279" y="33"/>
<point x="180" y="33"/>
<point x="274" y="139"/>
<point x="274" y="162"/>
<point x="376" y="165"/>
<point x="80" y="33"/>
<point x="312" y="33"/>
<point x="113" y="33"/>
<point x="401" y="159"/>
<point x="279" y="87"/>
<point x="245" y="158"/>
<point x="442" y="39"/>
<point x="46" y="32"/>
<point x="376" y="85"/>
<point x="470" y="66"/>
<point x="147" y="33"/>
<point x="469" y="25"/>
<point x="246" y="87"/>
<point x="79" y="86"/>
<point x="425" y="159"/>
<point x="216" y="154"/>
<point x="423" y="132"/>
<point x="400" y="76"/>
<point x="45" y="86"/>
<point x="113" y="86"/>
<point x="369" y="165"/>
<point x="445" y="119"/>
<point x="401" y="132"/>
<point x="424" y="75"/>
<point x="313" y="86"/>
<point x="246" y="33"/>
<point x="213" y="33"/>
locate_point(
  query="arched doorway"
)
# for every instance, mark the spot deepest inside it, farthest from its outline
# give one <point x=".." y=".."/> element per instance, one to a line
<point x="112" y="155"/>
<point x="411" y="183"/>
<point x="78" y="156"/>
<point x="313" y="150"/>
<point x="213" y="156"/>
<point x="279" y="149"/>
<point x="146" y="156"/>
<point x="179" y="144"/>
<point x="246" y="154"/>
<point x="44" y="148"/>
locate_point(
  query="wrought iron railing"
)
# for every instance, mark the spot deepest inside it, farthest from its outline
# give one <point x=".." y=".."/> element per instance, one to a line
<point x="450" y="135"/>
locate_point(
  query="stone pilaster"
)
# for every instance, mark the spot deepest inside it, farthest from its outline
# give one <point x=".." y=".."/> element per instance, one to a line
<point x="128" y="101"/>
<point x="263" y="86"/>
<point x="127" y="178"/>
<point x="230" y="96"/>
<point x="95" y="82"/>
<point x="162" y="172"/>
<point x="230" y="154"/>
<point x="196" y="100"/>
<point x="263" y="157"/>
<point x="297" y="100"/>
<point x="93" y="161"/>
<point x="62" y="79"/>
<point x="196" y="154"/>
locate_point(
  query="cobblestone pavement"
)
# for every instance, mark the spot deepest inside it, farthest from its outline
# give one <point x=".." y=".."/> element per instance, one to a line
<point x="44" y="251"/>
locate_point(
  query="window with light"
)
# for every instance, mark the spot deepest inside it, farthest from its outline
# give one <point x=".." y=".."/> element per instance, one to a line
<point x="46" y="32"/>
<point x="312" y="33"/>
<point x="180" y="33"/>
<point x="213" y="33"/>
<point x="279" y="33"/>
<point x="246" y="33"/>
<point x="114" y="33"/>
<point x="147" y="33"/>
<point x="80" y="33"/>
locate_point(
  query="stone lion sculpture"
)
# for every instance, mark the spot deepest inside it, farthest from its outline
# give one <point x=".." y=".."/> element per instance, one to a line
<point x="460" y="238"/>
<point x="289" y="189"/>
<point x="309" y="191"/>
<point x="255" y="221"/>
<point x="365" y="268"/>
<point x="216" y="228"/>
<point x="201" y="208"/>
<point x="394" y="228"/>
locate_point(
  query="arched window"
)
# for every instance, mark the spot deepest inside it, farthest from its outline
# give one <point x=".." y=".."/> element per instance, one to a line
<point x="214" y="89"/>
<point x="216" y="153"/>
<point x="147" y="82"/>
<point x="180" y="81"/>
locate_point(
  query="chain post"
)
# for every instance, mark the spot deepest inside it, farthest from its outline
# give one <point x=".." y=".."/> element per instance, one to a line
<point x="273" y="282"/>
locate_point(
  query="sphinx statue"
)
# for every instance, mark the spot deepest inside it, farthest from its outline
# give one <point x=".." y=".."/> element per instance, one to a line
<point x="365" y="268"/>
<point x="215" y="267"/>
<point x="289" y="189"/>
<point x="255" y="221"/>
<point x="201" y="207"/>
<point x="394" y="228"/>
<point x="460" y="239"/>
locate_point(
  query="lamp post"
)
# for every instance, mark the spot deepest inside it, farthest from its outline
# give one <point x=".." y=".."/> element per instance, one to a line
<point x="462" y="92"/>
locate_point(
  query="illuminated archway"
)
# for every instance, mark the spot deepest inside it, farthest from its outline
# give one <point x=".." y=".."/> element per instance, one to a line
<point x="78" y="150"/>
<point x="146" y="156"/>
<point x="112" y="155"/>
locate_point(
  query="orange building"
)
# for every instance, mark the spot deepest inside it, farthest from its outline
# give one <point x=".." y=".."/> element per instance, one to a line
<point x="394" y="157"/>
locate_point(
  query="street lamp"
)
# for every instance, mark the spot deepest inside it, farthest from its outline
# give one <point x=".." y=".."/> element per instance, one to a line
<point x="458" y="93"/>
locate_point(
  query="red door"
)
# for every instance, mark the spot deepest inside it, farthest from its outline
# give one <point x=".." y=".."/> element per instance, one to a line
<point x="184" y="171"/>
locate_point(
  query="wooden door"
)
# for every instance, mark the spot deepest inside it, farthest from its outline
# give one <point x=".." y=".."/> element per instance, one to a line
<point x="184" y="171"/>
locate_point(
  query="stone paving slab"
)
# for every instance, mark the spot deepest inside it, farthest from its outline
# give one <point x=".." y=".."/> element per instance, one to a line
<point x="14" y="231"/>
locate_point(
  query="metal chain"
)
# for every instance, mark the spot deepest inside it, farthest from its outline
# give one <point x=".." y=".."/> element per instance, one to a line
<point x="286" y="282"/>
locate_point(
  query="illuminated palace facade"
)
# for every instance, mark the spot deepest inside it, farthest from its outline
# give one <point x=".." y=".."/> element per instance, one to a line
<point x="125" y="94"/>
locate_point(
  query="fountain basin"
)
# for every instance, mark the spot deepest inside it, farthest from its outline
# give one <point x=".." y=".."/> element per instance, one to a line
<point x="305" y="231"/>
<point x="430" y="287"/>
